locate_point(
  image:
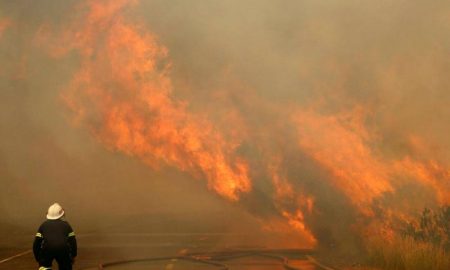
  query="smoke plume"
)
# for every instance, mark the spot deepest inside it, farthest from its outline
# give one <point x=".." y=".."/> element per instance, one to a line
<point x="322" y="120"/>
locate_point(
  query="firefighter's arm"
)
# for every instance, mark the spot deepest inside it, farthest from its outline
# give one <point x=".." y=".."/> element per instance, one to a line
<point x="37" y="245"/>
<point x="73" y="244"/>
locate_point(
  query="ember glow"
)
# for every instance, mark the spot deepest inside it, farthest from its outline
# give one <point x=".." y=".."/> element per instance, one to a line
<point x="323" y="136"/>
<point x="4" y="23"/>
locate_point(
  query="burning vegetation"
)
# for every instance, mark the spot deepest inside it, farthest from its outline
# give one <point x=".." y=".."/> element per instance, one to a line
<point x="334" y="168"/>
<point x="124" y="94"/>
<point x="421" y="243"/>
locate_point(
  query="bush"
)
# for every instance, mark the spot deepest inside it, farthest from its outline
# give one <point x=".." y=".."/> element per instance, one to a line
<point x="406" y="253"/>
<point x="423" y="244"/>
<point x="432" y="227"/>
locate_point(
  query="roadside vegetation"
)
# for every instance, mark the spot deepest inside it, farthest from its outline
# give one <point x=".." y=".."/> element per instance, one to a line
<point x="423" y="244"/>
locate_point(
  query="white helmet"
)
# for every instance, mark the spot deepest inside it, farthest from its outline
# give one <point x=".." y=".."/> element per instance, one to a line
<point x="55" y="211"/>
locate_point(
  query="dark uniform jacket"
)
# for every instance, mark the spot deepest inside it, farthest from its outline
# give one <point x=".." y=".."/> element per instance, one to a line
<point x="54" y="236"/>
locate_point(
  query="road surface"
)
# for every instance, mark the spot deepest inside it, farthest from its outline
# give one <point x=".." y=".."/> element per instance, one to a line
<point x="183" y="251"/>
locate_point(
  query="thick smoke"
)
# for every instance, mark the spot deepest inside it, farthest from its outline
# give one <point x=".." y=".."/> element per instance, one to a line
<point x="319" y="119"/>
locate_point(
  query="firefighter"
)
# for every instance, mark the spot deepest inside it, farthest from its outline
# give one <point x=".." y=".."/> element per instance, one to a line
<point x="55" y="239"/>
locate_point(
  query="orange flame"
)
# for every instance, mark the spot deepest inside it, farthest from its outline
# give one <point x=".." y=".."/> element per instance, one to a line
<point x="124" y="85"/>
<point x="339" y="143"/>
<point x="124" y="94"/>
<point x="429" y="173"/>
<point x="291" y="204"/>
<point x="4" y="24"/>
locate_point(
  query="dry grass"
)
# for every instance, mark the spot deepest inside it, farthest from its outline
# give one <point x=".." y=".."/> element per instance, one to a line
<point x="405" y="253"/>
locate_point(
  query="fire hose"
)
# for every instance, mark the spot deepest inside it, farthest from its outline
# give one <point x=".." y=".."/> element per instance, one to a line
<point x="15" y="256"/>
<point x="215" y="259"/>
<point x="218" y="259"/>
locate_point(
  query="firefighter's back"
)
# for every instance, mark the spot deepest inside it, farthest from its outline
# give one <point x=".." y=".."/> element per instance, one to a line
<point x="55" y="234"/>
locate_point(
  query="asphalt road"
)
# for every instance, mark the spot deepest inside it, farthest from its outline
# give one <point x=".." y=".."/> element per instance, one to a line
<point x="199" y="248"/>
